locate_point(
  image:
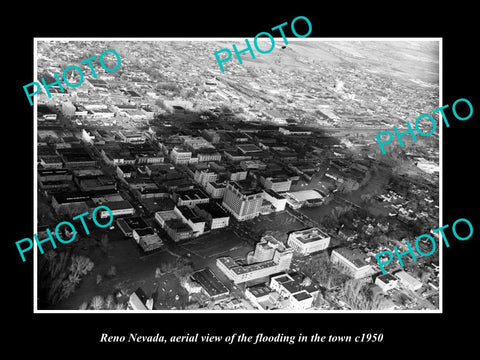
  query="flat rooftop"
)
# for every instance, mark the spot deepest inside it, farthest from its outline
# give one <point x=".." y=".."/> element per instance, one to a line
<point x="145" y="231"/>
<point x="310" y="235"/>
<point x="118" y="205"/>
<point x="212" y="285"/>
<point x="245" y="188"/>
<point x="214" y="209"/>
<point x="302" y="295"/>
<point x="305" y="195"/>
<point x="248" y="148"/>
<point x="253" y="267"/>
<point x="134" y="222"/>
<point x="47" y="172"/>
<point x="259" y="290"/>
<point x="283" y="278"/>
<point x="217" y="185"/>
<point x="189" y="214"/>
<point x="355" y="256"/>
<point x="70" y="197"/>
<point x="274" y="194"/>
<point x="192" y="194"/>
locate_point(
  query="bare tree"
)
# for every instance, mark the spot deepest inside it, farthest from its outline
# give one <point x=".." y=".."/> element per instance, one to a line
<point x="97" y="302"/>
<point x="81" y="265"/>
<point x="112" y="271"/>
<point x="109" y="302"/>
<point x="119" y="306"/>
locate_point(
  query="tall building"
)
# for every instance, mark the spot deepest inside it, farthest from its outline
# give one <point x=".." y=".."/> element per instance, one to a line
<point x="204" y="176"/>
<point x="180" y="155"/>
<point x="216" y="190"/>
<point x="277" y="184"/>
<point x="242" y="202"/>
<point x="276" y="259"/>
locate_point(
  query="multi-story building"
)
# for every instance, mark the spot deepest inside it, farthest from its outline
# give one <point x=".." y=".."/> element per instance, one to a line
<point x="216" y="190"/>
<point x="278" y="202"/>
<point x="242" y="202"/>
<point x="253" y="165"/>
<point x="196" y="142"/>
<point x="209" y="155"/>
<point x="265" y="249"/>
<point x="308" y="241"/>
<point x="240" y="273"/>
<point x="215" y="215"/>
<point x="173" y="224"/>
<point x="352" y="262"/>
<point x="191" y="219"/>
<point x="133" y="137"/>
<point x="236" y="174"/>
<point x="180" y="155"/>
<point x="204" y="176"/>
<point x="293" y="131"/>
<point x="301" y="296"/>
<point x="262" y="297"/>
<point x="190" y="197"/>
<point x="211" y="135"/>
<point x="149" y="157"/>
<point x="277" y="184"/>
<point x="386" y="282"/>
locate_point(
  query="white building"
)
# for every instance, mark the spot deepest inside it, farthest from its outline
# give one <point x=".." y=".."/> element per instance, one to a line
<point x="297" y="199"/>
<point x="278" y="202"/>
<point x="180" y="155"/>
<point x="242" y="273"/>
<point x="189" y="217"/>
<point x="138" y="300"/>
<point x="308" y="241"/>
<point x="133" y="137"/>
<point x="285" y="131"/>
<point x="190" y="197"/>
<point x="216" y="190"/>
<point x="204" y="176"/>
<point x="352" y="262"/>
<point x="300" y="297"/>
<point x="243" y="204"/>
<point x="262" y="297"/>
<point x="209" y="156"/>
<point x="87" y="137"/>
<point x="278" y="185"/>
<point x="386" y="282"/>
<point x="408" y="281"/>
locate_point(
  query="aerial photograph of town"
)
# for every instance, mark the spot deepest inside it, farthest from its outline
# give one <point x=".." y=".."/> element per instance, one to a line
<point x="261" y="188"/>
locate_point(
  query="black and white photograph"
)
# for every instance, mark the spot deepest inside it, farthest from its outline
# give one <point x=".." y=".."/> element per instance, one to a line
<point x="259" y="188"/>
